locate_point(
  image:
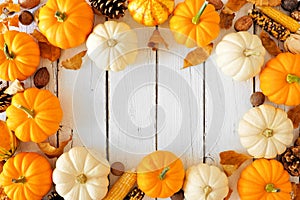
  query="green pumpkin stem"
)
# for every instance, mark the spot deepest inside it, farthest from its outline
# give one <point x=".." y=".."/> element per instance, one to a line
<point x="291" y="78"/>
<point x="8" y="55"/>
<point x="249" y="52"/>
<point x="162" y="175"/>
<point x="268" y="132"/>
<point x="21" y="179"/>
<point x="30" y="113"/>
<point x="196" y="19"/>
<point x="271" y="188"/>
<point x="60" y="16"/>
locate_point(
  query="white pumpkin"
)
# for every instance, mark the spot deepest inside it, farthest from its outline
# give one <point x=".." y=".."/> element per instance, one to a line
<point x="78" y="175"/>
<point x="240" y="55"/>
<point x="265" y="131"/>
<point x="205" y="182"/>
<point x="112" y="45"/>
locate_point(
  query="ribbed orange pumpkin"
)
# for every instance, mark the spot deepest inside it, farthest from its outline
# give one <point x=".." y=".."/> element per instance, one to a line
<point x="26" y="176"/>
<point x="264" y="179"/>
<point x="280" y="79"/>
<point x="8" y="142"/>
<point x="19" y="55"/>
<point x="66" y="23"/>
<point x="160" y="174"/>
<point x="195" y="23"/>
<point x="34" y="115"/>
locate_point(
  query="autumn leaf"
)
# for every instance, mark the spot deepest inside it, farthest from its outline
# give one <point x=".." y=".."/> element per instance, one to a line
<point x="3" y="27"/>
<point x="229" y="194"/>
<point x="74" y="62"/>
<point x="15" y="87"/>
<point x="265" y="2"/>
<point x="294" y="115"/>
<point x="155" y="40"/>
<point x="197" y="56"/>
<point x="269" y="44"/>
<point x="47" y="50"/>
<point x="235" y="5"/>
<point x="295" y="194"/>
<point x="51" y="151"/>
<point x="226" y="18"/>
<point x="231" y="161"/>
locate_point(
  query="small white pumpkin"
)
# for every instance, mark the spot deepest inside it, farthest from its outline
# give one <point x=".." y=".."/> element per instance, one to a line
<point x="205" y="182"/>
<point x="112" y="45"/>
<point x="240" y="55"/>
<point x="265" y="131"/>
<point x="78" y="175"/>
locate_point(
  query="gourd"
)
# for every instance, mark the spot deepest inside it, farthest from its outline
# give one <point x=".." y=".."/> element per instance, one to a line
<point x="112" y="45"/>
<point x="240" y="55"/>
<point x="19" y="55"/>
<point x="195" y="23"/>
<point x="34" y="115"/>
<point x="79" y="175"/>
<point x="8" y="142"/>
<point x="264" y="179"/>
<point x="150" y="12"/>
<point x="160" y="174"/>
<point x="280" y="79"/>
<point x="66" y="23"/>
<point x="265" y="131"/>
<point x="26" y="176"/>
<point x="207" y="182"/>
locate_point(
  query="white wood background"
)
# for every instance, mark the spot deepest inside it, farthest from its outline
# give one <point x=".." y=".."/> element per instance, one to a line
<point x="151" y="105"/>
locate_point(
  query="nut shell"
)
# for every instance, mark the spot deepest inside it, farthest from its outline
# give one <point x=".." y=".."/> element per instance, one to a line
<point x="29" y="3"/>
<point x="257" y="98"/>
<point x="41" y="77"/>
<point x="26" y="17"/>
<point x="243" y="23"/>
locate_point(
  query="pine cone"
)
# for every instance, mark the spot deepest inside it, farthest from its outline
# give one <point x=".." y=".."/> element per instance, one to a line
<point x="5" y="100"/>
<point x="114" y="9"/>
<point x="54" y="196"/>
<point x="291" y="160"/>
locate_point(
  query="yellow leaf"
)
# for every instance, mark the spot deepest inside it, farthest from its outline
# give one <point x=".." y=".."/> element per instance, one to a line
<point x="155" y="40"/>
<point x="231" y="161"/>
<point x="74" y="62"/>
<point x="197" y="56"/>
<point x="51" y="151"/>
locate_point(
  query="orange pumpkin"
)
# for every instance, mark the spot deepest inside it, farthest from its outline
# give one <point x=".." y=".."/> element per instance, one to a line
<point x="34" y="115"/>
<point x="26" y="176"/>
<point x="66" y="23"/>
<point x="280" y="79"/>
<point x="19" y="55"/>
<point x="150" y="12"/>
<point x="264" y="179"/>
<point x="195" y="23"/>
<point x="160" y="174"/>
<point x="8" y="142"/>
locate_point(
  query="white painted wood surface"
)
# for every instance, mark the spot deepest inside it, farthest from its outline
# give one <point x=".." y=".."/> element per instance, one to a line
<point x="153" y="104"/>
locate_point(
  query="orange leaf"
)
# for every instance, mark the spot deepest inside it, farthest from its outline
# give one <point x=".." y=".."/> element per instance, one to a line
<point x="231" y="161"/>
<point x="51" y="151"/>
<point x="155" y="40"/>
<point x="197" y="56"/>
<point x="294" y="115"/>
<point x="14" y="21"/>
<point x="74" y="62"/>
<point x="3" y="27"/>
<point x="295" y="194"/>
<point x="235" y="5"/>
<point x="229" y="194"/>
<point x="13" y="7"/>
<point x="39" y="36"/>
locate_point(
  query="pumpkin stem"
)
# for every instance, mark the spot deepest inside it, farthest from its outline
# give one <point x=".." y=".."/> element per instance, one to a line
<point x="112" y="42"/>
<point x="60" y="16"/>
<point x="291" y="78"/>
<point x="207" y="190"/>
<point x="196" y="19"/>
<point x="271" y="188"/>
<point x="268" y="132"/>
<point x="81" y="178"/>
<point x="162" y="175"/>
<point x="30" y="113"/>
<point x="21" y="179"/>
<point x="249" y="52"/>
<point x="8" y="55"/>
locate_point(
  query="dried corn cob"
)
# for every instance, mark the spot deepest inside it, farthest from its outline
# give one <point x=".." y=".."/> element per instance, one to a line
<point x="275" y="29"/>
<point x="281" y="18"/>
<point x="135" y="194"/>
<point x="122" y="187"/>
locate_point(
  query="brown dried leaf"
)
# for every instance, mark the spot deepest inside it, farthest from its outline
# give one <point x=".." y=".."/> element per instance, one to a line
<point x="229" y="194"/>
<point x="74" y="62"/>
<point x="231" y="161"/>
<point x="235" y="5"/>
<point x="15" y="87"/>
<point x="155" y="40"/>
<point x="294" y="115"/>
<point x="265" y="2"/>
<point x="226" y="18"/>
<point x="295" y="194"/>
<point x="269" y="44"/>
<point x="51" y="151"/>
<point x="197" y="56"/>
